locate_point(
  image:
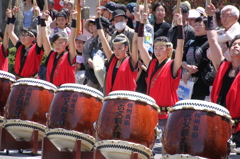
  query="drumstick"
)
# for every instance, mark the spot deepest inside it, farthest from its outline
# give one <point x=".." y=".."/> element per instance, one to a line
<point x="145" y="11"/>
<point x="9" y="7"/>
<point x="98" y="5"/>
<point x="137" y="6"/>
<point x="208" y="2"/>
<point x="177" y="10"/>
<point x="34" y="3"/>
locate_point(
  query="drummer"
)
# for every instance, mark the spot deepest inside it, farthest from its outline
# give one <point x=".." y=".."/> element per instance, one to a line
<point x="61" y="62"/>
<point x="163" y="74"/>
<point x="3" y="48"/>
<point x="29" y="53"/>
<point x="122" y="68"/>
<point x="225" y="89"/>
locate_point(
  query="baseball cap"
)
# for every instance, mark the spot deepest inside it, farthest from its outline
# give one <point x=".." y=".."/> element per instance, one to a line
<point x="62" y="2"/>
<point x="193" y="13"/>
<point x="79" y="59"/>
<point x="201" y="10"/>
<point x="131" y="6"/>
<point x="110" y="6"/>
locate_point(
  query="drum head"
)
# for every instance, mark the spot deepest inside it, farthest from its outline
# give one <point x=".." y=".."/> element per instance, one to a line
<point x="7" y="75"/>
<point x="201" y="105"/>
<point x="130" y="95"/>
<point x="36" y="83"/>
<point x="119" y="149"/>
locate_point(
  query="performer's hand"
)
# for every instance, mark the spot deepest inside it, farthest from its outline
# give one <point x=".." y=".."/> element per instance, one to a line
<point x="144" y="17"/>
<point x="98" y="12"/>
<point x="137" y="16"/>
<point x="9" y="13"/>
<point x="210" y="10"/>
<point x="36" y="10"/>
<point x="178" y="17"/>
<point x="45" y="15"/>
<point x="15" y="10"/>
<point x="74" y="14"/>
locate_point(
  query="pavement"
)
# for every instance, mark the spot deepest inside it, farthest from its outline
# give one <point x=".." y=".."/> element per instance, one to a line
<point x="26" y="154"/>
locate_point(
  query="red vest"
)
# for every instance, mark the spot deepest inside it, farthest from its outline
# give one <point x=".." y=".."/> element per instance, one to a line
<point x="125" y="78"/>
<point x="233" y="95"/>
<point x="32" y="62"/>
<point x="162" y="87"/>
<point x="3" y="59"/>
<point x="62" y="72"/>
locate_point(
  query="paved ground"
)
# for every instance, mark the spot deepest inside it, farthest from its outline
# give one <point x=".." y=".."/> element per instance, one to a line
<point x="14" y="154"/>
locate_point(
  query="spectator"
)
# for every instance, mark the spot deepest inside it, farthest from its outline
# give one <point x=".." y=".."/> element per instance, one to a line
<point x="195" y="59"/>
<point x="119" y="19"/>
<point x="61" y="21"/>
<point x="28" y="13"/>
<point x="161" y="27"/>
<point x="67" y="4"/>
<point x="192" y="16"/>
<point x="129" y="13"/>
<point x="188" y="29"/>
<point x="107" y="13"/>
<point x="51" y="9"/>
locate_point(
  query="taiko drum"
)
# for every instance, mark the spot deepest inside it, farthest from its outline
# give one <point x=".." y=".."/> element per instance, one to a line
<point x="128" y="116"/>
<point x="73" y="112"/>
<point x="27" y="105"/>
<point x="197" y="128"/>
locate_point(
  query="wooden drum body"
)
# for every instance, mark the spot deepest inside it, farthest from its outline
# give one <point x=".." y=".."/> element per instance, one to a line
<point x="128" y="116"/>
<point x="26" y="108"/>
<point x="6" y="80"/>
<point x="74" y="110"/>
<point x="198" y="128"/>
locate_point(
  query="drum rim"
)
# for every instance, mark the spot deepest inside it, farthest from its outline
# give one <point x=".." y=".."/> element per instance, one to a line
<point x="72" y="133"/>
<point x="182" y="155"/>
<point x="188" y="104"/>
<point x="84" y="89"/>
<point x="24" y="123"/>
<point x="125" y="95"/>
<point x="8" y="76"/>
<point x="125" y="145"/>
<point x="36" y="83"/>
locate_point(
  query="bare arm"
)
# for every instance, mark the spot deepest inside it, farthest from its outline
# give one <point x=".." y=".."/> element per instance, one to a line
<point x="106" y="47"/>
<point x="39" y="36"/>
<point x="134" y="50"/>
<point x="72" y="44"/>
<point x="141" y="47"/>
<point x="215" y="49"/>
<point x="46" y="43"/>
<point x="5" y="39"/>
<point x="13" y="37"/>
<point x="180" y="43"/>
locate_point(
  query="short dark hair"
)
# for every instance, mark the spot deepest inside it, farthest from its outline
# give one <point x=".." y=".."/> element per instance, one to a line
<point x="159" y="4"/>
<point x="234" y="39"/>
<point x="30" y="29"/>
<point x="202" y="19"/>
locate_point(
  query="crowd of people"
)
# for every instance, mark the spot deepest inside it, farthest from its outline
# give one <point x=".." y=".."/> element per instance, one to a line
<point x="137" y="48"/>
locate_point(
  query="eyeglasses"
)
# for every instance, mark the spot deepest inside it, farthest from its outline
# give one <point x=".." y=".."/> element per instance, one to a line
<point x="226" y="16"/>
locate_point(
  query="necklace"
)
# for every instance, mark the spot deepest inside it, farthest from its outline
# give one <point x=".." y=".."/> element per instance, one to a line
<point x="233" y="72"/>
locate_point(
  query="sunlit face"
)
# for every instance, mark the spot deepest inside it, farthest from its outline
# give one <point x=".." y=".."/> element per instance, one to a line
<point x="128" y="13"/>
<point x="235" y="49"/>
<point x="191" y="21"/>
<point x="227" y="19"/>
<point x="160" y="13"/>
<point x="27" y="38"/>
<point x="60" y="45"/>
<point x="92" y="28"/>
<point x="79" y="45"/>
<point x="120" y="51"/>
<point x="61" y="22"/>
<point x="200" y="29"/>
<point x="68" y="5"/>
<point x="106" y="14"/>
<point x="161" y="52"/>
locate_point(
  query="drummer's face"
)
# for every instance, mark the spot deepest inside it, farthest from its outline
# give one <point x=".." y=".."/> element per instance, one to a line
<point x="60" y="45"/>
<point x="120" y="50"/>
<point x="161" y="51"/>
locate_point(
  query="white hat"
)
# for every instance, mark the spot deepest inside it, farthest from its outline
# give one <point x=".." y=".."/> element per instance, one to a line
<point x="193" y="13"/>
<point x="62" y="2"/>
<point x="201" y="10"/>
<point x="80" y="59"/>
